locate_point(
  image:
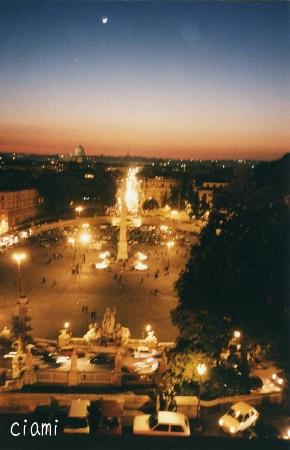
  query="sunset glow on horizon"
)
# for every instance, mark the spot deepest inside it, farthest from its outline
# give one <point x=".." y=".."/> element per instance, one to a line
<point x="188" y="80"/>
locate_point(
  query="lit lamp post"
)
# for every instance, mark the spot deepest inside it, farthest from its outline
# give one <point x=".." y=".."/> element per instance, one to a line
<point x="18" y="258"/>
<point x="237" y="335"/>
<point x="78" y="210"/>
<point x="170" y="245"/>
<point x="201" y="370"/>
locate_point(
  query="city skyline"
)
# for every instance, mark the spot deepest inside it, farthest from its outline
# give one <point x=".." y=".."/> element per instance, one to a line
<point x="188" y="80"/>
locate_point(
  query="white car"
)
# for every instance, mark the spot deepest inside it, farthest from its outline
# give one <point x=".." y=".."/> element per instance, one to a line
<point x="165" y="423"/>
<point x="238" y="418"/>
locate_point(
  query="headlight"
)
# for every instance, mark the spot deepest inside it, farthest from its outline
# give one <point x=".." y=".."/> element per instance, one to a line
<point x="221" y="422"/>
<point x="280" y="381"/>
<point x="274" y="376"/>
<point x="232" y="430"/>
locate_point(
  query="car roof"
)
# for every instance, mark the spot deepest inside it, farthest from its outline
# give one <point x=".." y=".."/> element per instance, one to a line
<point x="171" y="418"/>
<point x="243" y="407"/>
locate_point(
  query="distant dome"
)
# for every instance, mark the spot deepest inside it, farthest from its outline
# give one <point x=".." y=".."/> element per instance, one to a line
<point x="79" y="151"/>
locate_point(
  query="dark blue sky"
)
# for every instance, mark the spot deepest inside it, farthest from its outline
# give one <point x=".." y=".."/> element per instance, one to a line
<point x="204" y="79"/>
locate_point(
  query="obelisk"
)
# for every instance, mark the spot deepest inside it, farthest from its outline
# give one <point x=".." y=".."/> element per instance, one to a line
<point x="122" y="244"/>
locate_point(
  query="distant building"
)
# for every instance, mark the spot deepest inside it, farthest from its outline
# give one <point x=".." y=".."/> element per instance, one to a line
<point x="78" y="155"/>
<point x="18" y="206"/>
<point x="158" y="188"/>
<point x="206" y="190"/>
<point x="3" y="223"/>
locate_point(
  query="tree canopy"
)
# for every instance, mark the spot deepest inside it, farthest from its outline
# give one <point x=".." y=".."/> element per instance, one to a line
<point x="237" y="276"/>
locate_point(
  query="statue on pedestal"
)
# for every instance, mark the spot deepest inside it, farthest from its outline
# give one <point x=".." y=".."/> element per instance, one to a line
<point x="125" y="335"/>
<point x="108" y="322"/>
<point x="63" y="338"/>
<point x="151" y="340"/>
<point x="93" y="334"/>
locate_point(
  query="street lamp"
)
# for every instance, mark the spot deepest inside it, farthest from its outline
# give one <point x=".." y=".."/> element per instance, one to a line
<point x="201" y="370"/>
<point x="66" y="325"/>
<point x="170" y="244"/>
<point x="237" y="334"/>
<point x="18" y="258"/>
<point x="78" y="210"/>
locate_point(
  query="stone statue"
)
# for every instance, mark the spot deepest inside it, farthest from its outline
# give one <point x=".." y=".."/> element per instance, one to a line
<point x="108" y="322"/>
<point x="125" y="336"/>
<point x="151" y="340"/>
<point x="63" y="338"/>
<point x="118" y="334"/>
<point x="92" y="334"/>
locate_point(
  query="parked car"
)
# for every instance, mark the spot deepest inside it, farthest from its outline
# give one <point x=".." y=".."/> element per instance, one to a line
<point x="238" y="418"/>
<point x="77" y="420"/>
<point x="102" y="359"/>
<point x="278" y="378"/>
<point x="165" y="423"/>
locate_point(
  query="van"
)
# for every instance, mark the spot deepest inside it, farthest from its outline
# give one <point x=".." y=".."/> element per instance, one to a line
<point x="77" y="419"/>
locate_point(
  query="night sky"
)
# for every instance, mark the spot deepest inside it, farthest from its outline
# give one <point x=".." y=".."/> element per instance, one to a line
<point x="196" y="80"/>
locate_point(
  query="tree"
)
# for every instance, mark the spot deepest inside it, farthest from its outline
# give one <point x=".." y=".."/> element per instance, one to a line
<point x="182" y="368"/>
<point x="238" y="278"/>
<point x="195" y="204"/>
<point x="174" y="196"/>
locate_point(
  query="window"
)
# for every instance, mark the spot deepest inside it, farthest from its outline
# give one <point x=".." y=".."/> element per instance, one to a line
<point x="176" y="429"/>
<point x="161" y="427"/>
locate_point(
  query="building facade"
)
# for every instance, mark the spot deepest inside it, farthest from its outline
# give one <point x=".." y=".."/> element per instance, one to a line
<point x="206" y="191"/>
<point x="158" y="188"/>
<point x="18" y="206"/>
